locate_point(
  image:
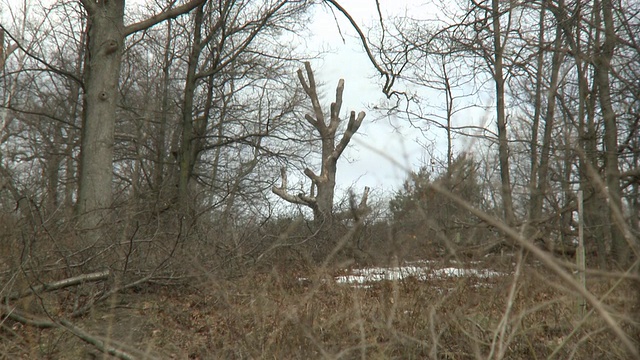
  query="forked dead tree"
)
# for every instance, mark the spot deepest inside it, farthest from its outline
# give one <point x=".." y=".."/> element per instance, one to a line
<point x="322" y="190"/>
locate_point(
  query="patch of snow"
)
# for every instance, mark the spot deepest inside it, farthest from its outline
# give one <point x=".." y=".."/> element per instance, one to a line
<point x="367" y="275"/>
<point x="456" y="272"/>
<point x="421" y="270"/>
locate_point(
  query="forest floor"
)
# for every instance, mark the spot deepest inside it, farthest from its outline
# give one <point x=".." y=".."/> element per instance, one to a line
<point x="428" y="309"/>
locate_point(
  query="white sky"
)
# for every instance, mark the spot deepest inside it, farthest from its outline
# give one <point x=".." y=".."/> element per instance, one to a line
<point x="384" y="148"/>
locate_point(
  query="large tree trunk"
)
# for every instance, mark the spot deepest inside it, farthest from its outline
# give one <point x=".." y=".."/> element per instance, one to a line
<point x="105" y="45"/>
<point x="325" y="185"/>
<point x="619" y="248"/>
<point x="106" y="37"/>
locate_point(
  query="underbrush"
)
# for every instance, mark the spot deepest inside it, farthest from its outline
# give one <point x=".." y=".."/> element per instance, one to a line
<point x="279" y="314"/>
<point x="147" y="291"/>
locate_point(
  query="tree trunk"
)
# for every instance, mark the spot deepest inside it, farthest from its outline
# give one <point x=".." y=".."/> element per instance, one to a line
<point x="449" y="104"/>
<point x="105" y="45"/>
<point x="503" y="141"/>
<point x="537" y="199"/>
<point x="186" y="147"/>
<point x="594" y="221"/>
<point x="160" y="156"/>
<point x="76" y="112"/>
<point x="619" y="248"/>
<point x="533" y="182"/>
<point x="326" y="184"/>
<point x="52" y="171"/>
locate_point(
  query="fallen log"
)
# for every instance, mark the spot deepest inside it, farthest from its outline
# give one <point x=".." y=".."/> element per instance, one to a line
<point x="60" y="284"/>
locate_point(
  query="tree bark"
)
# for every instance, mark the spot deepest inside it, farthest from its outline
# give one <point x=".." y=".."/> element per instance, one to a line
<point x="105" y="46"/>
<point x="533" y="183"/>
<point x="594" y="203"/>
<point x="161" y="149"/>
<point x="449" y="105"/>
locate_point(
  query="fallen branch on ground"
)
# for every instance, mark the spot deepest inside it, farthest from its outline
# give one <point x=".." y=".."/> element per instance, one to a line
<point x="101" y="345"/>
<point x="61" y="284"/>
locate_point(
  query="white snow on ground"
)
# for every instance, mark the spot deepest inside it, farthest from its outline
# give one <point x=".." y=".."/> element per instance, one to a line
<point x="368" y="275"/>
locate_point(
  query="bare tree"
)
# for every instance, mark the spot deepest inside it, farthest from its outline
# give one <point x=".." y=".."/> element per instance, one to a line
<point x="322" y="190"/>
<point x="499" y="42"/>
<point x="542" y="183"/>
<point x="225" y="42"/>
<point x="106" y="37"/>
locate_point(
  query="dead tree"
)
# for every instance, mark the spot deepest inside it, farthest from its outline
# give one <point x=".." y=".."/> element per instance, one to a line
<point x="322" y="189"/>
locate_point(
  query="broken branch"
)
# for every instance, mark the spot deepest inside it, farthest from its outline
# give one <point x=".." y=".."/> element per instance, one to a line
<point x="352" y="127"/>
<point x="311" y="90"/>
<point x="300" y="199"/>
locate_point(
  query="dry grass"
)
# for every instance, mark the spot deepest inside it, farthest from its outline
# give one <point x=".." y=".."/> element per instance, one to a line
<point x="274" y="315"/>
<point x="207" y="299"/>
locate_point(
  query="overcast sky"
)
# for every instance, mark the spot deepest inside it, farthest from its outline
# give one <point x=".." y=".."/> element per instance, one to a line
<point x="385" y="147"/>
<point x="381" y="141"/>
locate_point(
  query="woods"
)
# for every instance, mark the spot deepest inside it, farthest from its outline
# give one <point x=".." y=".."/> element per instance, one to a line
<point x="170" y="143"/>
<point x="550" y="66"/>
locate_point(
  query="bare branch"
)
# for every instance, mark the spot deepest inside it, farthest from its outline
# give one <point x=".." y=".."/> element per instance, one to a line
<point x="311" y="120"/>
<point x="311" y="175"/>
<point x="166" y="14"/>
<point x="312" y="79"/>
<point x="311" y="90"/>
<point x="389" y="78"/>
<point x="365" y="197"/>
<point x="352" y="127"/>
<point x="337" y="105"/>
<point x="101" y="345"/>
<point x="283" y="175"/>
<point x="300" y="199"/>
<point x="17" y="45"/>
<point x="5" y="52"/>
<point x="13" y="314"/>
<point x="356" y="212"/>
<point x="89" y="305"/>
